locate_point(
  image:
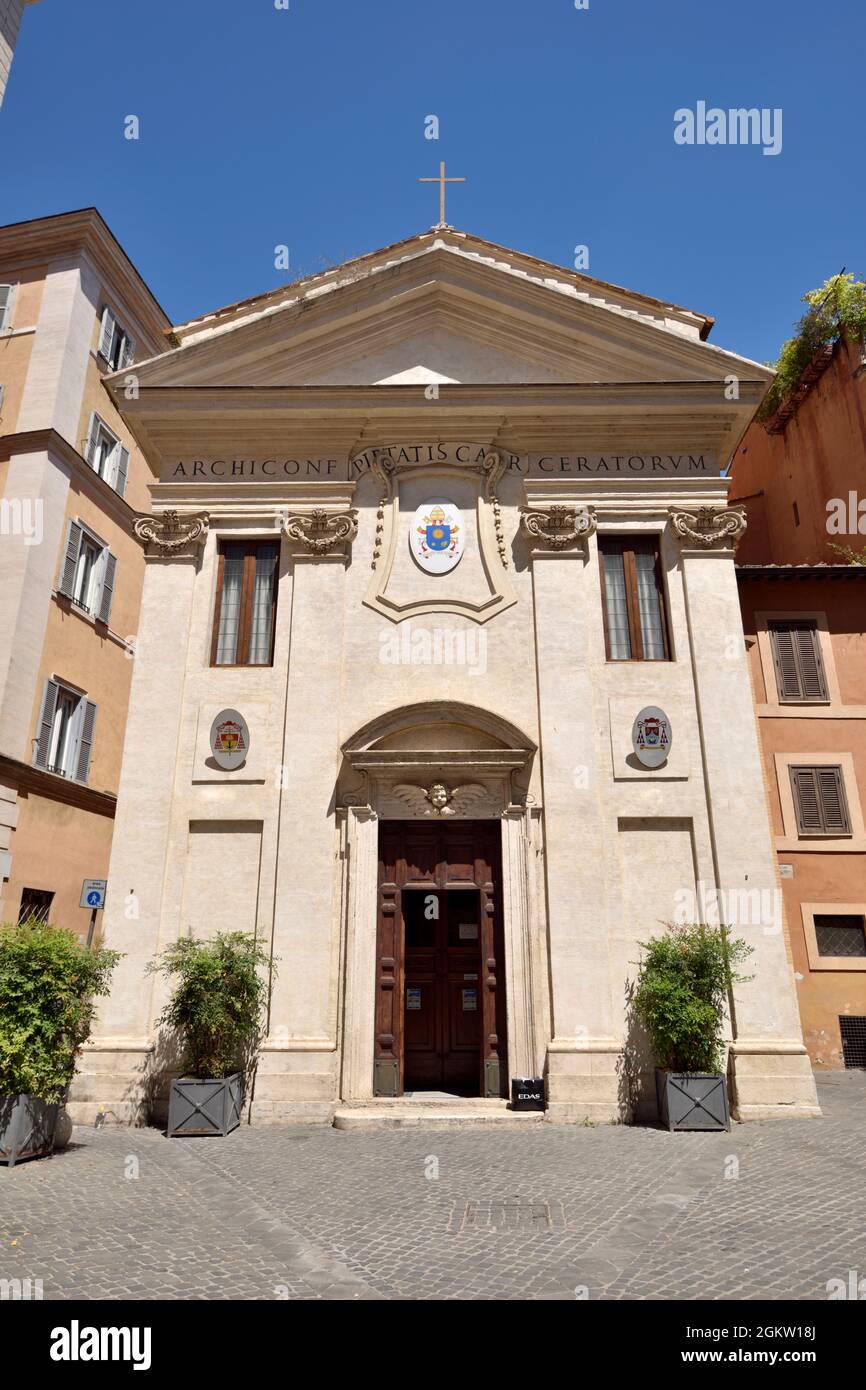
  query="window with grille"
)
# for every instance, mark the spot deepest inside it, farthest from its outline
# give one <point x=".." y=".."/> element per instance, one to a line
<point x="35" y="902"/>
<point x="820" y="803"/>
<point x="246" y="603"/>
<point x="840" y="934"/>
<point x="852" y="1027"/>
<point x="633" y="599"/>
<point x="65" y="737"/>
<point x="87" y="573"/>
<point x="800" y="676"/>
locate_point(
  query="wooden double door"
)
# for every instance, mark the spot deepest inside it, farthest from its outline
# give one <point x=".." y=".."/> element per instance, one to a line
<point x="440" y="989"/>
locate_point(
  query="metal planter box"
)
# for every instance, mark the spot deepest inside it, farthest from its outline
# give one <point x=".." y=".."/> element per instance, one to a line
<point x="205" y="1107"/>
<point x="27" y="1127"/>
<point x="692" y="1100"/>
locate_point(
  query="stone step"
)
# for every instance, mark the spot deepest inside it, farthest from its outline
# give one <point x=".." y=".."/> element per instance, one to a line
<point x="408" y="1113"/>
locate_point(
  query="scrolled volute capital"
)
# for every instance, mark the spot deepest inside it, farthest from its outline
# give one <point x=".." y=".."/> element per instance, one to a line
<point x="709" y="528"/>
<point x="321" y="532"/>
<point x="558" y="527"/>
<point x="171" y="535"/>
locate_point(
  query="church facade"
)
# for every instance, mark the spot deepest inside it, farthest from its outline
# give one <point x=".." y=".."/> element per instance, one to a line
<point x="441" y="687"/>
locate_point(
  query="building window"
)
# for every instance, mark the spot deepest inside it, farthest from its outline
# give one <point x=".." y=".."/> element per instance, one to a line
<point x="819" y="800"/>
<point x="115" y="344"/>
<point x="852" y="1030"/>
<point x="246" y="604"/>
<point x="65" y="738"/>
<point x="88" y="573"/>
<point x="106" y="455"/>
<point x="6" y="295"/>
<point x="796" y="647"/>
<point x="633" y="599"/>
<point x="35" y="902"/>
<point x="840" y="934"/>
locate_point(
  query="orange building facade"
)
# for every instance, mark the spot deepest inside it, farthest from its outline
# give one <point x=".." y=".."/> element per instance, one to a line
<point x="72" y="480"/>
<point x="801" y="477"/>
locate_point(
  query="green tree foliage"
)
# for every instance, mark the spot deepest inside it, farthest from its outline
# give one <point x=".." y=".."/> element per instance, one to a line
<point x="836" y="307"/>
<point x="49" y="981"/>
<point x="218" y="1001"/>
<point x="682" y="991"/>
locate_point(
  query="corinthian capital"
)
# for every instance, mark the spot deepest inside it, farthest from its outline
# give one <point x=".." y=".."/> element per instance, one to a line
<point x="709" y="528"/>
<point x="169" y="535"/>
<point x="557" y="527"/>
<point x="321" y="532"/>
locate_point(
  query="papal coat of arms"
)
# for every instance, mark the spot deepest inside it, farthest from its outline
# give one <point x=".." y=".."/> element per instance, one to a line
<point x="436" y="536"/>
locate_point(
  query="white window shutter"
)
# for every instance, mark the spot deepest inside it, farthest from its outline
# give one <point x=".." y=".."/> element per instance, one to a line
<point x="46" y="722"/>
<point x="106" y="332"/>
<point x="5" y="305"/>
<point x="107" y="593"/>
<point x="122" y="469"/>
<point x="70" y="559"/>
<point x="92" y="437"/>
<point x="85" y="742"/>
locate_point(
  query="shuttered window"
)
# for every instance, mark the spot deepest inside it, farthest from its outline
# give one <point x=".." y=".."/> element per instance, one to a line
<point x="64" y="741"/>
<point x="106" y="455"/>
<point x="115" y="344"/>
<point x="87" y="572"/>
<point x="246" y="603"/>
<point x="633" y="603"/>
<point x="819" y="801"/>
<point x="6" y="294"/>
<point x="800" y="676"/>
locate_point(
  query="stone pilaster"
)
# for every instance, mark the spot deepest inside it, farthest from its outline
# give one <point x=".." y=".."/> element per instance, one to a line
<point x="770" y="1068"/>
<point x="113" y="1072"/>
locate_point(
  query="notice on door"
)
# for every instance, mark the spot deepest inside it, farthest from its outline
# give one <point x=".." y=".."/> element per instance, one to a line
<point x="413" y="998"/>
<point x="470" y="1001"/>
<point x="468" y="931"/>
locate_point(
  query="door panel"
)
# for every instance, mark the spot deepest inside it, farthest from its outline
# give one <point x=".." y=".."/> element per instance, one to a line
<point x="440" y="1018"/>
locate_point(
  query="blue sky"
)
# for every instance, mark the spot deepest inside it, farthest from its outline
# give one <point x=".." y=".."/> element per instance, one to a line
<point x="305" y="127"/>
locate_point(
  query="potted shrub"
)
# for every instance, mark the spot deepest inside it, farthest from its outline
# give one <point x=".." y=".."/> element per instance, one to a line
<point x="216" y="1010"/>
<point x="48" y="983"/>
<point x="681" y="998"/>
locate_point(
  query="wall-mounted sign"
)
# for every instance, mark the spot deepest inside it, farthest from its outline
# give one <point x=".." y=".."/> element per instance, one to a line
<point x="651" y="736"/>
<point x="413" y="998"/>
<point x="437" y="535"/>
<point x="229" y="740"/>
<point x="470" y="1001"/>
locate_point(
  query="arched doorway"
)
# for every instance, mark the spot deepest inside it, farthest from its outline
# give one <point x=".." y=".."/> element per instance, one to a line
<point x="442" y="975"/>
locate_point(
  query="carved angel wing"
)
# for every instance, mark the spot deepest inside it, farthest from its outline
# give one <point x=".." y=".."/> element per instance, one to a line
<point x="412" y="796"/>
<point x="463" y="797"/>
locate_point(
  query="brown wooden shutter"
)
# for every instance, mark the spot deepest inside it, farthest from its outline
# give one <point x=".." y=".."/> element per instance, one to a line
<point x="834" y="807"/>
<point x="820" y="801"/>
<point x="797" y="659"/>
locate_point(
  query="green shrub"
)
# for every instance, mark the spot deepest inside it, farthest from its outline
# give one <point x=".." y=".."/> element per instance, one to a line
<point x="836" y="307"/>
<point x="218" y="1001"/>
<point x="48" y="983"/>
<point x="682" y="993"/>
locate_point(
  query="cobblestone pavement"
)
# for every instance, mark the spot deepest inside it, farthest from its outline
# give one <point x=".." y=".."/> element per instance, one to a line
<point x="771" y="1210"/>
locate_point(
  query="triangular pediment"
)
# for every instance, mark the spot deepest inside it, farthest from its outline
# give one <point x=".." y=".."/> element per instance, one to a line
<point x="450" y="309"/>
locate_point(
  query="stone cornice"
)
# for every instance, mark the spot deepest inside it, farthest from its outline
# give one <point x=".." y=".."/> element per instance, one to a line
<point x="172" y="536"/>
<point x="709" y="528"/>
<point x="55" y="788"/>
<point x="558" y="527"/>
<point x="44" y="239"/>
<point x="321" y="532"/>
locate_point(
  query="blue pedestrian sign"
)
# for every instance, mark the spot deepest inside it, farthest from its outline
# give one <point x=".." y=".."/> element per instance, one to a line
<point x="93" y="892"/>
